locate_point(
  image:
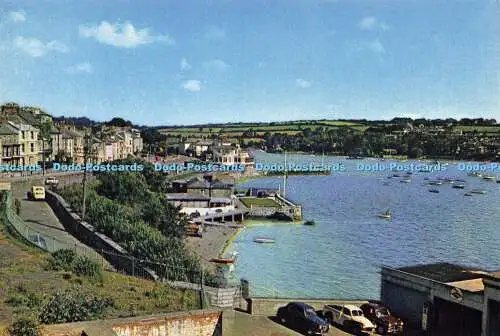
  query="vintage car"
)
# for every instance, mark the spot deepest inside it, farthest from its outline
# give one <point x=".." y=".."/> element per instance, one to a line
<point x="387" y="324"/>
<point x="302" y="316"/>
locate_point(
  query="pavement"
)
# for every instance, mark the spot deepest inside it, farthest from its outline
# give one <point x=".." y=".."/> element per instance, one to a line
<point x="237" y="323"/>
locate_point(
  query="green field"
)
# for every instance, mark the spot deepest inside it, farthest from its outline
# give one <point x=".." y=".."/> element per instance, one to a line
<point x="237" y="130"/>
<point x="480" y="129"/>
<point x="259" y="202"/>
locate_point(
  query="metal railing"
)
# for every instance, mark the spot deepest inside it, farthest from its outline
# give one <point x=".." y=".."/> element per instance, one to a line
<point x="47" y="242"/>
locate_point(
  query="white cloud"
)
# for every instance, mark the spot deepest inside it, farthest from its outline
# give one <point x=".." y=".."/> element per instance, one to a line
<point x="302" y="83"/>
<point x="215" y="33"/>
<point x="81" y="68"/>
<point x="216" y="64"/>
<point x="371" y="23"/>
<point x="37" y="48"/>
<point x="185" y="65"/>
<point x="123" y="35"/>
<point x="191" y="85"/>
<point x="17" y="16"/>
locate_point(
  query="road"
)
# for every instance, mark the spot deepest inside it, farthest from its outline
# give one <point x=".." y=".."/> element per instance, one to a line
<point x="40" y="217"/>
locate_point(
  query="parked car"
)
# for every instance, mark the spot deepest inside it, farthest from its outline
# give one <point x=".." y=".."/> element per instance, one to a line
<point x="387" y="324"/>
<point x="302" y="316"/>
<point x="36" y="193"/>
<point x="349" y="316"/>
<point x="51" y="181"/>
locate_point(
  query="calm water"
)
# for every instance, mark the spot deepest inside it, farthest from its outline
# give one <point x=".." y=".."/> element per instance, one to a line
<point x="341" y="255"/>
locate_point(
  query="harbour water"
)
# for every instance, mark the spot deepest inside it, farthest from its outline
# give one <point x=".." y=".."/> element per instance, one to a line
<point x="341" y="255"/>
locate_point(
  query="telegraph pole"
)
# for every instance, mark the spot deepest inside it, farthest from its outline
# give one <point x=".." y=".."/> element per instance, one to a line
<point x="85" y="158"/>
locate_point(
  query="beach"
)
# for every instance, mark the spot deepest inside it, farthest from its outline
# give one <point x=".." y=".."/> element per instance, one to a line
<point x="212" y="244"/>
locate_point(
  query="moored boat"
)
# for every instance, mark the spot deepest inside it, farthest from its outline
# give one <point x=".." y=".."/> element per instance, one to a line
<point x="489" y="178"/>
<point x="263" y="240"/>
<point x="434" y="191"/>
<point x="478" y="191"/>
<point x="309" y="222"/>
<point x="458" y="186"/>
<point x="225" y="261"/>
<point x="385" y="215"/>
<point x="468" y="194"/>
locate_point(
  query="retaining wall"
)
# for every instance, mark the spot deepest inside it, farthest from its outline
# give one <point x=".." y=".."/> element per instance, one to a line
<point x="191" y="323"/>
<point x="87" y="234"/>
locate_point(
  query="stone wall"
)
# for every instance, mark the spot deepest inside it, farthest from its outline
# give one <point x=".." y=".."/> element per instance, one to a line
<point x="190" y="323"/>
<point x="269" y="307"/>
<point x="87" y="234"/>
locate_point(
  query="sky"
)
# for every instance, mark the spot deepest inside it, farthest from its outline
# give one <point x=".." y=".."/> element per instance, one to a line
<point x="187" y="62"/>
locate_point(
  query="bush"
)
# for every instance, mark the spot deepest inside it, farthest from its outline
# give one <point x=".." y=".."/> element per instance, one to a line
<point x="24" y="326"/>
<point x="86" y="267"/>
<point x="73" y="306"/>
<point x="62" y="260"/>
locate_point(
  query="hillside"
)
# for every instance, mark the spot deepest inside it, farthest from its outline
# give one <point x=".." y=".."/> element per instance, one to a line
<point x="26" y="283"/>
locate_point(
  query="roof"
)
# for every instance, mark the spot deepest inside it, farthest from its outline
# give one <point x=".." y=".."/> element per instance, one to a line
<point x="301" y="304"/>
<point x="8" y="129"/>
<point x="186" y="197"/>
<point x="28" y="117"/>
<point x="220" y="200"/>
<point x="444" y="272"/>
<point x="474" y="285"/>
<point x="351" y="307"/>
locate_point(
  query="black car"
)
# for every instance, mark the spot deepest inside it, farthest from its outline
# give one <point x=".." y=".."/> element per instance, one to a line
<point x="303" y="317"/>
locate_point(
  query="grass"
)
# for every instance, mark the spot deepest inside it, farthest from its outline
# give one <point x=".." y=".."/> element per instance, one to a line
<point x="259" y="202"/>
<point x="25" y="267"/>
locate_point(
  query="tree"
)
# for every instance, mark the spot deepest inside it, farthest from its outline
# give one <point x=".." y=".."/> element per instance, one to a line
<point x="119" y="122"/>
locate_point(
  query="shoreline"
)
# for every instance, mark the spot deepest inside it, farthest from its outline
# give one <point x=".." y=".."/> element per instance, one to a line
<point x="213" y="244"/>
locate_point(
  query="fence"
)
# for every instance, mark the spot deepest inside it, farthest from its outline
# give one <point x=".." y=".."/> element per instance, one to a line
<point x="112" y="261"/>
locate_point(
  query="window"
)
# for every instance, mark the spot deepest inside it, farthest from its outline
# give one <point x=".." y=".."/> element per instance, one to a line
<point x="32" y="135"/>
<point x="346" y="311"/>
<point x="357" y="313"/>
<point x="32" y="147"/>
<point x="22" y="148"/>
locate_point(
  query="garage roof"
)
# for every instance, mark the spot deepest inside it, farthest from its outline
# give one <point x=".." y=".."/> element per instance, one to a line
<point x="444" y="272"/>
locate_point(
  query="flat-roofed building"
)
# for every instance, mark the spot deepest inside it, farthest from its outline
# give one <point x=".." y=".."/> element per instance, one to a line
<point x="444" y="299"/>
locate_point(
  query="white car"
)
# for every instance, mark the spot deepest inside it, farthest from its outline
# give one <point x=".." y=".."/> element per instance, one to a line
<point x="51" y="181"/>
<point x="349" y="316"/>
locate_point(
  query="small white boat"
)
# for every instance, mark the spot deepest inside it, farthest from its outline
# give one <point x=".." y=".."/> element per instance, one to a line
<point x="478" y="191"/>
<point x="407" y="180"/>
<point x="385" y="215"/>
<point x="264" y="240"/>
<point x="459" y="186"/>
<point x="489" y="178"/>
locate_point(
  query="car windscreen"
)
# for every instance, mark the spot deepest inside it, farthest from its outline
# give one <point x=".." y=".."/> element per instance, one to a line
<point x="382" y="312"/>
<point x="310" y="311"/>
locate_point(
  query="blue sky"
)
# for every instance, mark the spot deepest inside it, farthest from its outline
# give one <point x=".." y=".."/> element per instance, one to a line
<point x="196" y="61"/>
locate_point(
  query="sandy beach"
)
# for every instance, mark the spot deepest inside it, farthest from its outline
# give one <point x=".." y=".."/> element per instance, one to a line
<point x="211" y="244"/>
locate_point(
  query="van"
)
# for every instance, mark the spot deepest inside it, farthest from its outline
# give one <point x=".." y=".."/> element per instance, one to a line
<point x="37" y="193"/>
